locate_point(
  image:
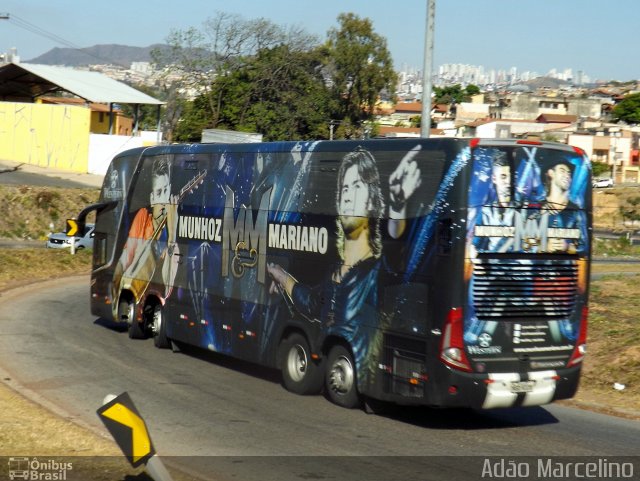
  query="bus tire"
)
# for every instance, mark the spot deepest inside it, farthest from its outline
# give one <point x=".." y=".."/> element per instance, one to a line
<point x="340" y="378"/>
<point x="159" y="328"/>
<point x="127" y="311"/>
<point x="136" y="330"/>
<point x="300" y="374"/>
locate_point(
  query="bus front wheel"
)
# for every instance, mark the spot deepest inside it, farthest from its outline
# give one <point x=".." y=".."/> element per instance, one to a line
<point x="300" y="374"/>
<point x="340" y="378"/>
<point x="127" y="313"/>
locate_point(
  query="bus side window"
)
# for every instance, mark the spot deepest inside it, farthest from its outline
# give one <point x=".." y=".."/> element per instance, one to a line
<point x="444" y="236"/>
<point x="99" y="249"/>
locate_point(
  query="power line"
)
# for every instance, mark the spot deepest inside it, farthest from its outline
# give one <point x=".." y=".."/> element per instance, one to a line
<point x="26" y="25"/>
<point x="22" y="23"/>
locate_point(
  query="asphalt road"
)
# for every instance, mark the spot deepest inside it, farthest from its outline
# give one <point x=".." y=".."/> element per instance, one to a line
<point x="227" y="419"/>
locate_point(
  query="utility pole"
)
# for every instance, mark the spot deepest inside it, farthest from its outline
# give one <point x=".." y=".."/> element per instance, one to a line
<point x="425" y="123"/>
<point x="3" y="56"/>
<point x="332" y="125"/>
<point x="613" y="154"/>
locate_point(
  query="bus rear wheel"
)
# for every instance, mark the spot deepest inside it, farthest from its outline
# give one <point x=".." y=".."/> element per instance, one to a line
<point x="158" y="327"/>
<point x="300" y="374"/>
<point x="340" y="378"/>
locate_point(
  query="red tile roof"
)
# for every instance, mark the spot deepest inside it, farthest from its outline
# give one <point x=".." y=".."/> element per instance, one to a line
<point x="409" y="107"/>
<point x="556" y="118"/>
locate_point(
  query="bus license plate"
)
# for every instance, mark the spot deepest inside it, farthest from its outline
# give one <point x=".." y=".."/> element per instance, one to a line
<point x="522" y="386"/>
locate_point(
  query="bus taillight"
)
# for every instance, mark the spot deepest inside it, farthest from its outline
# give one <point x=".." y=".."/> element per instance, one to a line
<point x="579" y="151"/>
<point x="581" y="346"/>
<point x="452" y="347"/>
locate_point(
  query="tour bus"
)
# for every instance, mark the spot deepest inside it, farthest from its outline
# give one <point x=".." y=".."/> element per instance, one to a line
<point x="444" y="272"/>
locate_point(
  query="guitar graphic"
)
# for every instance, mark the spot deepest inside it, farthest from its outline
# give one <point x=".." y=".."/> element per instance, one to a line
<point x="141" y="272"/>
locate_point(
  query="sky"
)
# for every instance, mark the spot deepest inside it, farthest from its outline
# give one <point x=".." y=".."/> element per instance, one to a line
<point x="597" y="37"/>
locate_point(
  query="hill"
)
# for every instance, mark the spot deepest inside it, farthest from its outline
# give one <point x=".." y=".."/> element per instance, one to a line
<point x="546" y="82"/>
<point x="98" y="54"/>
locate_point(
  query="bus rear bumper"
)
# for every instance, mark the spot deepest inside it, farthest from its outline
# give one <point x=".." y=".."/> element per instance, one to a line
<point x="505" y="390"/>
<point x="455" y="389"/>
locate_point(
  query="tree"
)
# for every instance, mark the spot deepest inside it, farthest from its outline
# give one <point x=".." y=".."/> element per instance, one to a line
<point x="279" y="93"/>
<point x="253" y="75"/>
<point x="599" y="168"/>
<point x="455" y="93"/>
<point x="628" y="110"/>
<point x="193" y="120"/>
<point x="630" y="210"/>
<point x="147" y="114"/>
<point x="472" y="90"/>
<point x="204" y="58"/>
<point x="360" y="68"/>
<point x="282" y="95"/>
<point x="549" y="137"/>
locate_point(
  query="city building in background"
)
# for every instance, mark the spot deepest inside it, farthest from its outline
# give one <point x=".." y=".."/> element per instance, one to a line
<point x="564" y="105"/>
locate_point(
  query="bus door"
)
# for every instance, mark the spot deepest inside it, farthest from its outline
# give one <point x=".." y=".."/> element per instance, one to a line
<point x="113" y="196"/>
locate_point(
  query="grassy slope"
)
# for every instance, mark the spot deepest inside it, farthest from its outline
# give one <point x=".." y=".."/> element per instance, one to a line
<point x="20" y="266"/>
<point x="29" y="211"/>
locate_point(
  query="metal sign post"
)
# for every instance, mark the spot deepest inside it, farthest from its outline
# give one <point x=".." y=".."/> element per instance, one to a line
<point x="129" y="430"/>
<point x="72" y="230"/>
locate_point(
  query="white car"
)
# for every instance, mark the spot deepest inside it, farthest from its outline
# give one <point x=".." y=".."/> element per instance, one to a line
<point x="603" y="183"/>
<point x="60" y="240"/>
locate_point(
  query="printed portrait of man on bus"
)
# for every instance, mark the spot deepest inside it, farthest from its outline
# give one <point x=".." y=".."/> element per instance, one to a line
<point x="150" y="255"/>
<point x="500" y="209"/>
<point x="566" y="221"/>
<point x="525" y="201"/>
<point x="350" y="290"/>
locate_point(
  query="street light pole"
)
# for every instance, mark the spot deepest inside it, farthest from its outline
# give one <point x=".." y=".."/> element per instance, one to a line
<point x="614" y="154"/>
<point x="425" y="123"/>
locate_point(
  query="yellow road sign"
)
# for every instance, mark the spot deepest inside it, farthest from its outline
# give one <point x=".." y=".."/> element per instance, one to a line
<point x="72" y="227"/>
<point x="127" y="427"/>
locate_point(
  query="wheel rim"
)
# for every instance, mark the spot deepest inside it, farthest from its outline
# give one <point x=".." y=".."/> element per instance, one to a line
<point x="297" y="363"/>
<point x="156" y="325"/>
<point x="127" y="309"/>
<point x="341" y="376"/>
<point x="131" y="313"/>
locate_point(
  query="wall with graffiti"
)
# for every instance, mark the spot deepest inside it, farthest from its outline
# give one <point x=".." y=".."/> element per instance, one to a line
<point x="52" y="136"/>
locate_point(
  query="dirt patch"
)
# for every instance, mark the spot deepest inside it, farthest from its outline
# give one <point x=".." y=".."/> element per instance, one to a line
<point x="615" y="209"/>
